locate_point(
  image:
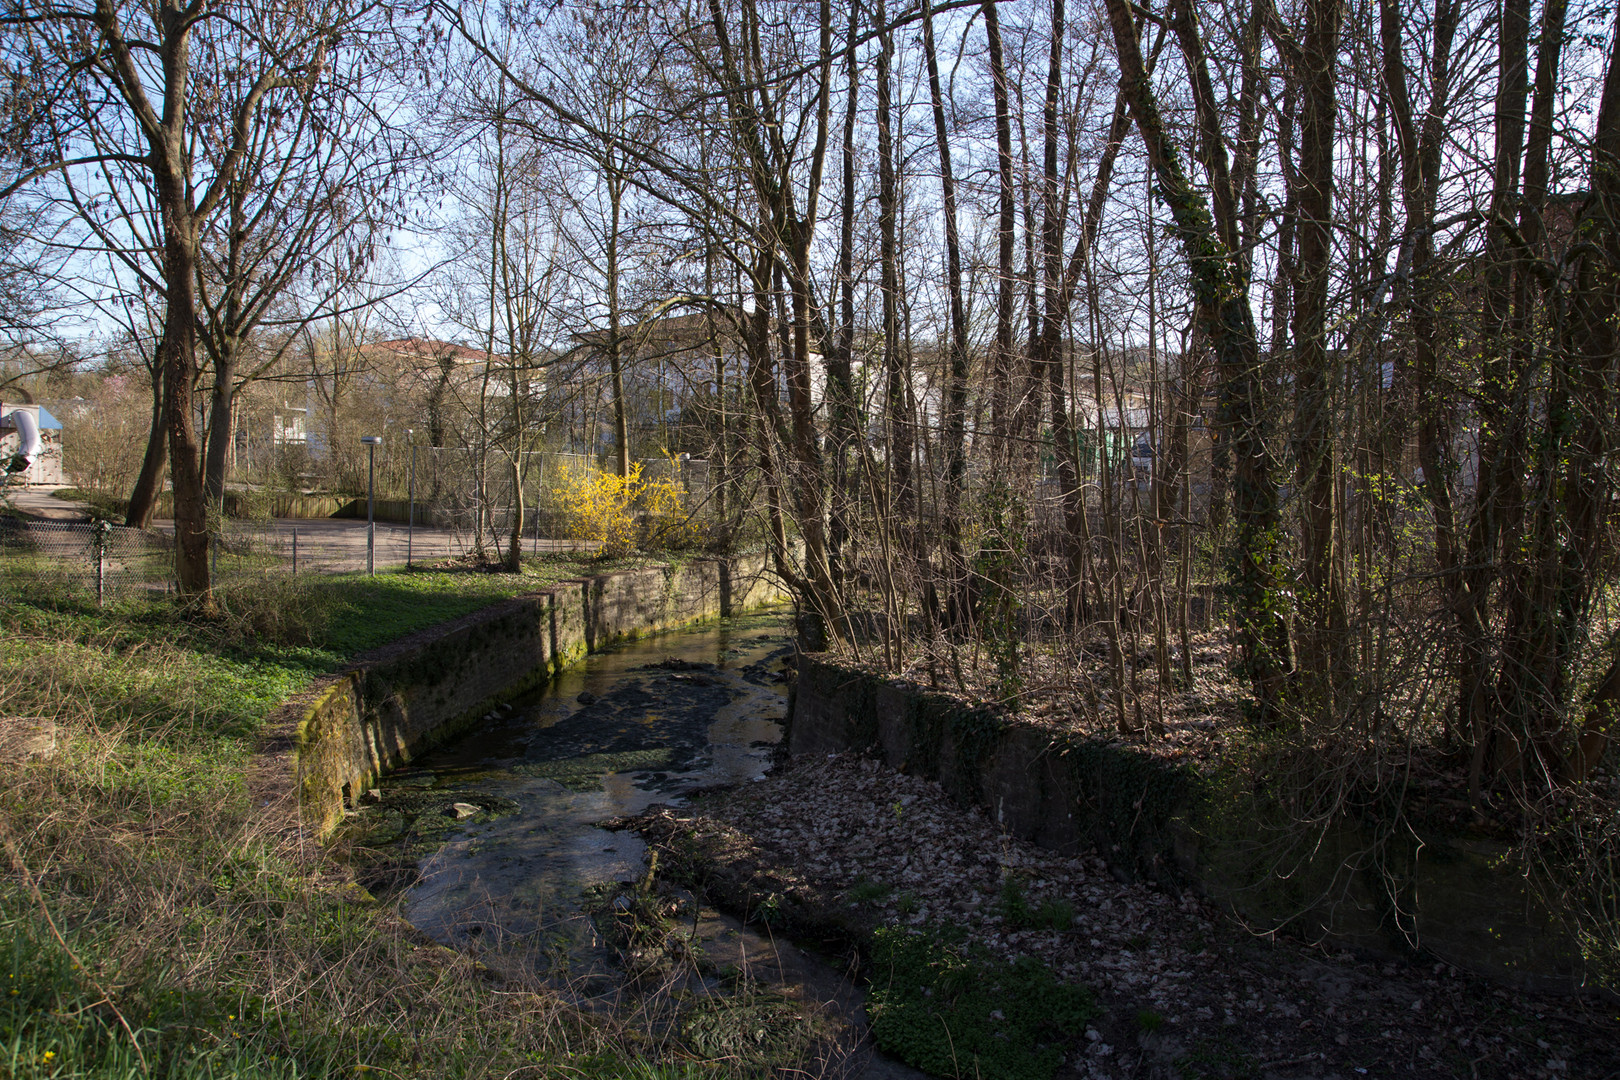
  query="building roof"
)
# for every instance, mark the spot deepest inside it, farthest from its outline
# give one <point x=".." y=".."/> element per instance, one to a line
<point x="47" y="422"/>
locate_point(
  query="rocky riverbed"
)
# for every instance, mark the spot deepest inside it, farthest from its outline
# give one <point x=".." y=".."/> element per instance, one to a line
<point x="835" y="850"/>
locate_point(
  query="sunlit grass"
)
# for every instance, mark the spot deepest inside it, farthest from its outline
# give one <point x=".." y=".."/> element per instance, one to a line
<point x="152" y="925"/>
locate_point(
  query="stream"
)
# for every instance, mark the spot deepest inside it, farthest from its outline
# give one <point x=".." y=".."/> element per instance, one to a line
<point x="503" y="825"/>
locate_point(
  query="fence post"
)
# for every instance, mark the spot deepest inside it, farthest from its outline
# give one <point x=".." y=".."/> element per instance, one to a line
<point x="101" y="531"/>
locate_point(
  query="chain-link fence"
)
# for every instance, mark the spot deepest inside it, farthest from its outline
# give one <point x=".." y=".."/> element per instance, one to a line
<point x="104" y="562"/>
<point x="472" y="495"/>
<point x="63" y="558"/>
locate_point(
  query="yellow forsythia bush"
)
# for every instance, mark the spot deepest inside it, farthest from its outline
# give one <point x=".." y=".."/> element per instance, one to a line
<point x="600" y="506"/>
<point x="668" y="523"/>
<point x="626" y="512"/>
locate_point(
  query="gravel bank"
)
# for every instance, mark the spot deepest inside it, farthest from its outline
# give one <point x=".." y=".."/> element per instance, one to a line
<point x="830" y="849"/>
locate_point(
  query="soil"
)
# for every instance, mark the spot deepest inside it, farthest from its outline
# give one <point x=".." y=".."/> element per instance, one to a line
<point x="828" y="850"/>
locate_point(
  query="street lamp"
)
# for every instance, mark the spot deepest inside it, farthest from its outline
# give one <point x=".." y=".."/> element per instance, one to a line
<point x="371" y="443"/>
<point x="410" y="520"/>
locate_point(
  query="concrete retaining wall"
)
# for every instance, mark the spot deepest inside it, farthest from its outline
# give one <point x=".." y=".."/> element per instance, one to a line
<point x="347" y="729"/>
<point x="1456" y="898"/>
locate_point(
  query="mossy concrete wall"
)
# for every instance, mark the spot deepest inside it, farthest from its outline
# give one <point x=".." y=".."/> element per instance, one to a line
<point x="1455" y="898"/>
<point x="349" y="728"/>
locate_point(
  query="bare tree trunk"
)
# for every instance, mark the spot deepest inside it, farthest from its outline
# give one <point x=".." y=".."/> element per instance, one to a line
<point x="956" y="393"/>
<point x="1322" y="637"/>
<point x="900" y="447"/>
<point x="615" y="344"/>
<point x="1221" y="293"/>
<point x="1001" y="357"/>
<point x="180" y="366"/>
<point x="841" y="354"/>
<point x="143" y="499"/>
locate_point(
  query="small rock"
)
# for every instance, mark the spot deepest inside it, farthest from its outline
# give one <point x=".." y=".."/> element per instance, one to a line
<point x="372" y="796"/>
<point x="460" y="810"/>
<point x="586" y="698"/>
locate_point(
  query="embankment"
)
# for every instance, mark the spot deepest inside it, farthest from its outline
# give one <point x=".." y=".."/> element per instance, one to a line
<point x="335" y="738"/>
<point x="1451" y="897"/>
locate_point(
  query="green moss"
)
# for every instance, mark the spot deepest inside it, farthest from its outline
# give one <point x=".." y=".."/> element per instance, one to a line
<point x="586" y="773"/>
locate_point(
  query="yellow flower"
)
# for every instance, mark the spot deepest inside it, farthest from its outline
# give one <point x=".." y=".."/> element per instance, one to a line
<point x="45" y="1058"/>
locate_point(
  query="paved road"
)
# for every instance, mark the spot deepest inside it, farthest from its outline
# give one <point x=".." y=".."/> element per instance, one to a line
<point x="39" y="502"/>
<point x="329" y="544"/>
<point x="340" y="544"/>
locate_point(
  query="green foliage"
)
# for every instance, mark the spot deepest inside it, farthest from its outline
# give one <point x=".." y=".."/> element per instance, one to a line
<point x="868" y="892"/>
<point x="1217" y="1060"/>
<point x="755" y="1029"/>
<point x="1055" y="914"/>
<point x="954" y="1013"/>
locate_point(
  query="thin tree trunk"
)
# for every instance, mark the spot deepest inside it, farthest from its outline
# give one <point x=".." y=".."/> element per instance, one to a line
<point x="1001" y="357"/>
<point x="956" y="394"/>
<point x="900" y="445"/>
<point x="1322" y="637"/>
<point x="143" y="499"/>
<point x="1221" y="294"/>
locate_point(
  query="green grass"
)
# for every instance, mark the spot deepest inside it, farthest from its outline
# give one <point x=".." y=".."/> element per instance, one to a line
<point x="193" y="941"/>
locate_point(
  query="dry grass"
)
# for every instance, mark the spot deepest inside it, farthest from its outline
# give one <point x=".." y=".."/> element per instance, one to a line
<point x="153" y="924"/>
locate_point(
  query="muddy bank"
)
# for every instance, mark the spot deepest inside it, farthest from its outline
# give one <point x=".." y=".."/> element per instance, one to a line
<point x="838" y="849"/>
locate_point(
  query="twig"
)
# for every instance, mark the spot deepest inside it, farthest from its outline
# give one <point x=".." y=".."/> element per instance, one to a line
<point x="44" y="909"/>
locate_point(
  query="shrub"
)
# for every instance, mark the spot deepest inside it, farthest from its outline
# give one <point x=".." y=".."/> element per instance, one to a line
<point x="667" y="523"/>
<point x="959" y="1013"/>
<point x="276" y="609"/>
<point x="597" y="506"/>
<point x="623" y="513"/>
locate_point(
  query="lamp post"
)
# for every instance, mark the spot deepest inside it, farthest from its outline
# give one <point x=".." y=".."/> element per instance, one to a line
<point x="410" y="519"/>
<point x="371" y="442"/>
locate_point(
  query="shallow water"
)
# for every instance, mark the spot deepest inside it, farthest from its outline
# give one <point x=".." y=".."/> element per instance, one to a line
<point x="637" y="725"/>
<point x="647" y="722"/>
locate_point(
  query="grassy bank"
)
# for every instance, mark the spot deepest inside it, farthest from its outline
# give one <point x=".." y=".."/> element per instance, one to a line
<point x="151" y="926"/>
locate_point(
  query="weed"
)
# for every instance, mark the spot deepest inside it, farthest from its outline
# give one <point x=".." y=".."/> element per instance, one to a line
<point x="865" y="891"/>
<point x="1014" y="905"/>
<point x="953" y="1012"/>
<point x="1053" y="914"/>
<point x="906" y="903"/>
<point x="1148" y="1021"/>
<point x="1217" y="1060"/>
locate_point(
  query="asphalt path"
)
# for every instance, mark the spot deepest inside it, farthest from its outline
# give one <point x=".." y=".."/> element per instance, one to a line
<point x="322" y="544"/>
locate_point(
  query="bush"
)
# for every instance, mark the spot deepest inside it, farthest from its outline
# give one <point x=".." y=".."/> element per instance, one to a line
<point x="623" y="513"/>
<point x="667" y="523"/>
<point x="277" y="609"/>
<point x="597" y="506"/>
